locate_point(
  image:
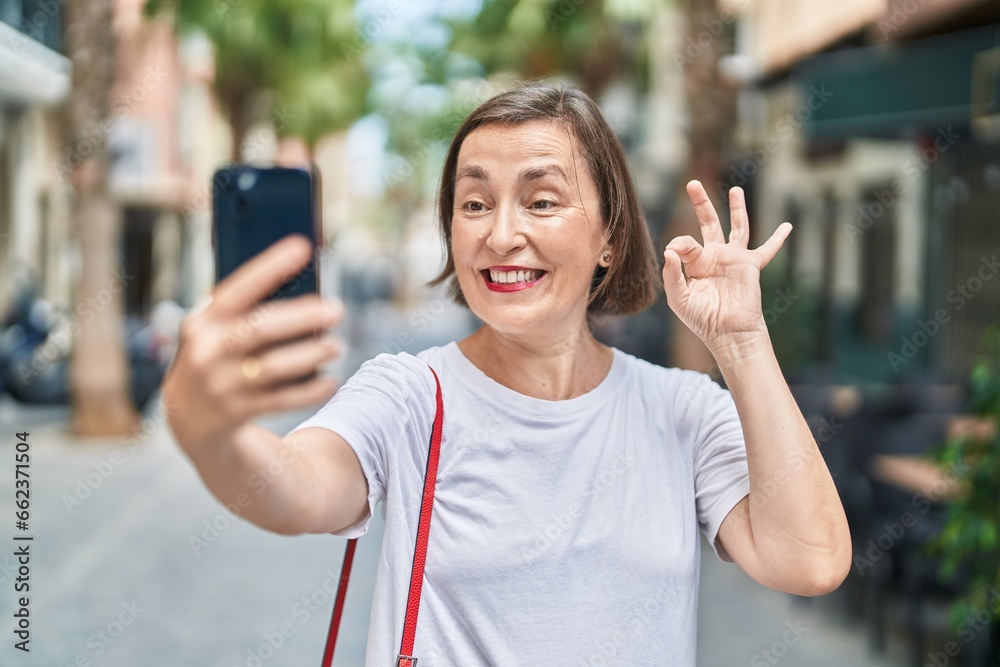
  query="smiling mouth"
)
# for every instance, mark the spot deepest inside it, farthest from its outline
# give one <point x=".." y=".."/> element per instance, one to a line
<point x="511" y="281"/>
<point x="512" y="277"/>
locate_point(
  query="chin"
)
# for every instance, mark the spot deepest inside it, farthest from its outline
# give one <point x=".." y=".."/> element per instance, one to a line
<point x="511" y="315"/>
<point x="511" y="320"/>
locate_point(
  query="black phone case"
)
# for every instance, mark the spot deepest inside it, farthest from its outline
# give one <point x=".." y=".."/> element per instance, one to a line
<point x="253" y="207"/>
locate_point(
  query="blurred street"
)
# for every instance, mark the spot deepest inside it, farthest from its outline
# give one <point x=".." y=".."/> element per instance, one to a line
<point x="130" y="542"/>
<point x="871" y="126"/>
<point x="127" y="553"/>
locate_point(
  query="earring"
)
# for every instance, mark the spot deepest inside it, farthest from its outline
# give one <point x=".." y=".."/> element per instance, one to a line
<point x="607" y="257"/>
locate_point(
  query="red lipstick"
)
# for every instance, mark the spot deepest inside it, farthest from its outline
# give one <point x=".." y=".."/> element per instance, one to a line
<point x="510" y="287"/>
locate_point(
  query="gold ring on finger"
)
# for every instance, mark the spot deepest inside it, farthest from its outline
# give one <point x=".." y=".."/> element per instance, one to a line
<point x="251" y="368"/>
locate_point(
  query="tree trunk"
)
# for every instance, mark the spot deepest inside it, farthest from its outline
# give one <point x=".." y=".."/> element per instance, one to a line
<point x="711" y="106"/>
<point x="235" y="104"/>
<point x="99" y="374"/>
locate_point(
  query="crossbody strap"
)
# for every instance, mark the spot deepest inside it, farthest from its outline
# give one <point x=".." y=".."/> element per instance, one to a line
<point x="405" y="657"/>
<point x="338" y="603"/>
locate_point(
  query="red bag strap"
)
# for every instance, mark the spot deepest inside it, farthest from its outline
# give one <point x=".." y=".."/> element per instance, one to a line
<point x="338" y="603"/>
<point x="405" y="658"/>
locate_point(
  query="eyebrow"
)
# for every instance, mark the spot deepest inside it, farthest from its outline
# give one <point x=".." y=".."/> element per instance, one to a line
<point x="526" y="176"/>
<point x="475" y="172"/>
<point x="536" y="173"/>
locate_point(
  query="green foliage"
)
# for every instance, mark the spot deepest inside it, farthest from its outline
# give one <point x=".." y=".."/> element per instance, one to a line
<point x="592" y="41"/>
<point x="791" y="312"/>
<point x="322" y="101"/>
<point x="290" y="53"/>
<point x="970" y="539"/>
<point x="310" y="64"/>
<point x="318" y="65"/>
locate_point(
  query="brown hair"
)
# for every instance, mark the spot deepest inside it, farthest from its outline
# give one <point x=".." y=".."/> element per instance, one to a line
<point x="628" y="285"/>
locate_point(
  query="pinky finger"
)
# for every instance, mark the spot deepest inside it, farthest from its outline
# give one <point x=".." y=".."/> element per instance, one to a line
<point x="773" y="244"/>
<point x="295" y="396"/>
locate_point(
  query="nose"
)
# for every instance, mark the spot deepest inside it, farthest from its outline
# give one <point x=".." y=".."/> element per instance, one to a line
<point x="506" y="233"/>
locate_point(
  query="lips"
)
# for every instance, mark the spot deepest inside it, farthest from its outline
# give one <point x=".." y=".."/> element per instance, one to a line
<point x="511" y="278"/>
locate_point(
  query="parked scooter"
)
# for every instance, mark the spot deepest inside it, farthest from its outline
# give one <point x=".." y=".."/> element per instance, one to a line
<point x="36" y="343"/>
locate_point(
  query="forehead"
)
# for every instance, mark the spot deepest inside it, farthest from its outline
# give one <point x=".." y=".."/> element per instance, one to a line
<point x="530" y="142"/>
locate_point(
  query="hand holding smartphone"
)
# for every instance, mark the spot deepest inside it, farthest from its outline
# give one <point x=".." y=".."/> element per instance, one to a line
<point x="254" y="208"/>
<point x="255" y="348"/>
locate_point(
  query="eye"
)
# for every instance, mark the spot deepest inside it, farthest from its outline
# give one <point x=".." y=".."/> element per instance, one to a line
<point x="473" y="206"/>
<point x="543" y="205"/>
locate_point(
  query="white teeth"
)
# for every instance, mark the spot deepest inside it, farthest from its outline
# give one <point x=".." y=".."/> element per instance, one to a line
<point x="506" y="277"/>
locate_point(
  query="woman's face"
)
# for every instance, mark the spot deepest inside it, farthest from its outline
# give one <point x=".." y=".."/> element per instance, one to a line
<point x="527" y="232"/>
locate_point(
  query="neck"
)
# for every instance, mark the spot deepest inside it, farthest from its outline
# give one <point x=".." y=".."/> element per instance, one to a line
<point x="553" y="370"/>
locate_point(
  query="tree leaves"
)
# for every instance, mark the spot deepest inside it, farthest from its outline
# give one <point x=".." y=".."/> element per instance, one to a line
<point x="290" y="57"/>
<point x="971" y="535"/>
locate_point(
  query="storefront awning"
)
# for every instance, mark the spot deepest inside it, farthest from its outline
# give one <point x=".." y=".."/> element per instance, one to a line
<point x="896" y="89"/>
<point x="30" y="73"/>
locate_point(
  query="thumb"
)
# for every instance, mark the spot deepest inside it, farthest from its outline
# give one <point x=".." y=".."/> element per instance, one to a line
<point x="674" y="283"/>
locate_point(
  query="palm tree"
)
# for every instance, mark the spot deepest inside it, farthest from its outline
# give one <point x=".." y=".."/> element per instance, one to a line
<point x="99" y="371"/>
<point x="591" y="40"/>
<point x="712" y="112"/>
<point x="278" y="57"/>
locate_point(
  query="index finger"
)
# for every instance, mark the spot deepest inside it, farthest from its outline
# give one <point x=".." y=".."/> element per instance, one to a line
<point x="708" y="219"/>
<point x="262" y="275"/>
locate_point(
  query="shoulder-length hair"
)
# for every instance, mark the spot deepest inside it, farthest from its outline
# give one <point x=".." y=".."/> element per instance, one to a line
<point x="628" y="285"/>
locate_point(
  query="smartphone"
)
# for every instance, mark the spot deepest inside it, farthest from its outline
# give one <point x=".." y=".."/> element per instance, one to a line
<point x="254" y="207"/>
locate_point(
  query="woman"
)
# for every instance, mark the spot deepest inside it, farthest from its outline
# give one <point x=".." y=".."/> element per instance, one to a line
<point x="573" y="478"/>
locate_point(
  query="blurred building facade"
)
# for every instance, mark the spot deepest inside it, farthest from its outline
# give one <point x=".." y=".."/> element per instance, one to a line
<point x="164" y="137"/>
<point x="874" y="127"/>
<point x="34" y="80"/>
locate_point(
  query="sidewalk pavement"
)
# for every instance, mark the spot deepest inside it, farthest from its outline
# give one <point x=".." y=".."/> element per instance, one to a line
<point x="742" y="623"/>
<point x="134" y="562"/>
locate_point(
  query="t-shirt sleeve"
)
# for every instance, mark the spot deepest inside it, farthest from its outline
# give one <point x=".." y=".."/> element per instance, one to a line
<point x="722" y="478"/>
<point x="374" y="412"/>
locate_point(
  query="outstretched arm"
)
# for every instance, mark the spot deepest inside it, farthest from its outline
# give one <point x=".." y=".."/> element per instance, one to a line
<point x="790" y="533"/>
<point x="309" y="481"/>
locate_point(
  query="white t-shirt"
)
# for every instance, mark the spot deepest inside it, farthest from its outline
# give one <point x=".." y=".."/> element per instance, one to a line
<point x="562" y="532"/>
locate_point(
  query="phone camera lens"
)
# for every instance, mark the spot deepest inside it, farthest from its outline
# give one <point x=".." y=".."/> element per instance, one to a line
<point x="246" y="180"/>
